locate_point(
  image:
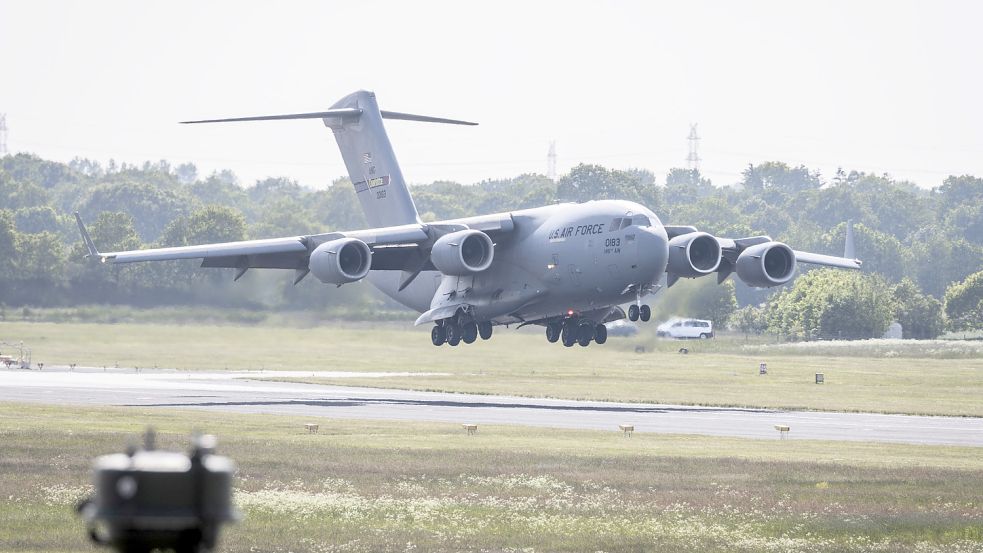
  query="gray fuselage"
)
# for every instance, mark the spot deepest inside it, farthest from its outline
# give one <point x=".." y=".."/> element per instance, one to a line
<point x="580" y="258"/>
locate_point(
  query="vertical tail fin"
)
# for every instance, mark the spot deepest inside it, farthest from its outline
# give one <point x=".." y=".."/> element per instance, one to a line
<point x="357" y="124"/>
<point x="371" y="162"/>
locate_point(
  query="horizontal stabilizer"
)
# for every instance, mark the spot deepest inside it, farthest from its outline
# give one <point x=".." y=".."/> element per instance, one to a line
<point x="342" y="112"/>
<point x="350" y="113"/>
<point x="422" y="118"/>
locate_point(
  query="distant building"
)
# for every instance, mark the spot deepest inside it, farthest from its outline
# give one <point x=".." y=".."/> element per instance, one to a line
<point x="894" y="331"/>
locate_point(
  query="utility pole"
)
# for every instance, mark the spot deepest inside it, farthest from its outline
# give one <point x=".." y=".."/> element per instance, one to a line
<point x="551" y="162"/>
<point x="693" y="159"/>
<point x="3" y="134"/>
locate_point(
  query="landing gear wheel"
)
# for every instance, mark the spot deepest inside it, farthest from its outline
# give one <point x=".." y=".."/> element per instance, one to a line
<point x="469" y="333"/>
<point x="552" y="332"/>
<point x="633" y="312"/>
<point x="438" y="335"/>
<point x="600" y="334"/>
<point x="645" y="313"/>
<point x="585" y="333"/>
<point x="569" y="334"/>
<point x="485" y="330"/>
<point x="453" y="333"/>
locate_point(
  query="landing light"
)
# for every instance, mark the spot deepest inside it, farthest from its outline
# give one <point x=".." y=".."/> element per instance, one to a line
<point x="569" y="311"/>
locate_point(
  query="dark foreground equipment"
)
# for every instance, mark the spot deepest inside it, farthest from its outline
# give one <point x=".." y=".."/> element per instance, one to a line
<point x="147" y="499"/>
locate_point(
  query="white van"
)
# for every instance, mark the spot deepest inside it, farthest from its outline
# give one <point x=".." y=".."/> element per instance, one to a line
<point x="685" y="328"/>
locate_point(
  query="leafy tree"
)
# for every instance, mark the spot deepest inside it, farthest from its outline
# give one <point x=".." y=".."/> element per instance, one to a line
<point x="187" y="173"/>
<point x="337" y="208"/>
<point x="938" y="258"/>
<point x="8" y="253"/>
<point x="29" y="168"/>
<point x="700" y="298"/>
<point x="881" y="253"/>
<point x="686" y="186"/>
<point x="151" y="207"/>
<point x="749" y="320"/>
<point x="920" y="315"/>
<point x="594" y="182"/>
<point x="894" y="208"/>
<point x="964" y="303"/>
<point x="16" y="194"/>
<point x="37" y="219"/>
<point x="958" y="191"/>
<point x="773" y="180"/>
<point x="38" y="267"/>
<point x="212" y="223"/>
<point x="829" y="304"/>
<point x="111" y="231"/>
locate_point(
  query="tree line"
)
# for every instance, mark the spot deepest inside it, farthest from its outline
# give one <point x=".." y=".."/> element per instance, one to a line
<point x="916" y="243"/>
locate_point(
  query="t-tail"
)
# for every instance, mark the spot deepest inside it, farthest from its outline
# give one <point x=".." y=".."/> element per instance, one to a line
<point x="356" y="121"/>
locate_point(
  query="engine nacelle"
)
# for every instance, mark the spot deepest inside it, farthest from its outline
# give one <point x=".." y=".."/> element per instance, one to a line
<point x="341" y="261"/>
<point x="766" y="265"/>
<point x="693" y="255"/>
<point x="463" y="253"/>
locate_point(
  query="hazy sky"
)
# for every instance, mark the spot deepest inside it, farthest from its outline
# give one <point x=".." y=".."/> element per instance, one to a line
<point x="890" y="86"/>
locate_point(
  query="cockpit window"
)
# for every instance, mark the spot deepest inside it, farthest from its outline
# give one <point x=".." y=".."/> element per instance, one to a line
<point x="615" y="225"/>
<point x="625" y="222"/>
<point x="641" y="221"/>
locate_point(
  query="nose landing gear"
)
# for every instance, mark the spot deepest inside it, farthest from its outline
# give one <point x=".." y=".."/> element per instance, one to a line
<point x="636" y="312"/>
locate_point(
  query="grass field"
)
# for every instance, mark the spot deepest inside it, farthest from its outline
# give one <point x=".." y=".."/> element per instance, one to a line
<point x="859" y="377"/>
<point x="372" y="486"/>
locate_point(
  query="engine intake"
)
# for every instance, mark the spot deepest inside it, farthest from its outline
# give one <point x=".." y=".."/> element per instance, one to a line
<point x="766" y="265"/>
<point x="693" y="255"/>
<point x="463" y="253"/>
<point x="341" y="261"/>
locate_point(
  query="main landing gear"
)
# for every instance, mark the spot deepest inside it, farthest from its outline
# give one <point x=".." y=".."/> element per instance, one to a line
<point x="636" y="312"/>
<point x="456" y="329"/>
<point x="574" y="330"/>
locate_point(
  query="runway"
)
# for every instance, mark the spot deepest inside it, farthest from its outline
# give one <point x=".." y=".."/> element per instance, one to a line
<point x="232" y="391"/>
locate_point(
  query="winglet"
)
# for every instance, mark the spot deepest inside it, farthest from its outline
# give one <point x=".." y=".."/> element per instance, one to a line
<point x="849" y="251"/>
<point x="89" y="245"/>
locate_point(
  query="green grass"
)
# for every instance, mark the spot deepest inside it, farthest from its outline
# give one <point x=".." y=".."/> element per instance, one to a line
<point x="522" y="363"/>
<point x="376" y="486"/>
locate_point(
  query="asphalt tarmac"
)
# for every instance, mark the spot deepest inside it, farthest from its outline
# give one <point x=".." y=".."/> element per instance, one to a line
<point x="232" y="391"/>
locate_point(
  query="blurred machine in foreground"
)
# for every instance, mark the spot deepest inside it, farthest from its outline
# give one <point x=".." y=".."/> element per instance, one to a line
<point x="147" y="499"/>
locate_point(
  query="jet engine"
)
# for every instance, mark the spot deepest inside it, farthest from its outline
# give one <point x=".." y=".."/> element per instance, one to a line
<point x="463" y="253"/>
<point x="341" y="261"/>
<point x="766" y="265"/>
<point x="693" y="255"/>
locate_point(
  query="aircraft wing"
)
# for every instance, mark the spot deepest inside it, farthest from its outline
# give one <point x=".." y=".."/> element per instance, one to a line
<point x="404" y="247"/>
<point x="827" y="260"/>
<point x="391" y="247"/>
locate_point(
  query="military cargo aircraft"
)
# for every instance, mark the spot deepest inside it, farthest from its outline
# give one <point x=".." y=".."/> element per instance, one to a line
<point x="567" y="267"/>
